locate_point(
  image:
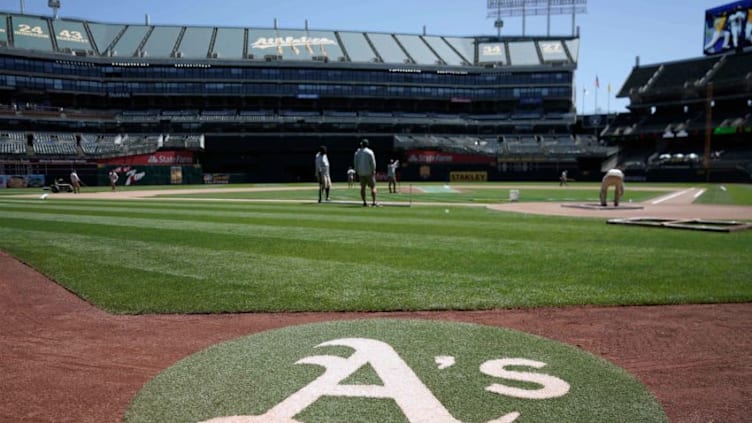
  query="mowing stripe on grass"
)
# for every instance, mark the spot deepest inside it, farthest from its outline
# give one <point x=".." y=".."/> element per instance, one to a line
<point x="188" y="257"/>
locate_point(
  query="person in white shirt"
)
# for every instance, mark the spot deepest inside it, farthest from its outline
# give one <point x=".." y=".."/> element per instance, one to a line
<point x="322" y="173"/>
<point x="75" y="182"/>
<point x="391" y="175"/>
<point x="615" y="178"/>
<point x="736" y="24"/>
<point x="563" y="178"/>
<point x="365" y="166"/>
<point x="113" y="179"/>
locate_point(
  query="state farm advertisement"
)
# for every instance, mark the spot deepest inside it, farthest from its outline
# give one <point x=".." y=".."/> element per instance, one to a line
<point x="439" y="157"/>
<point x="160" y="158"/>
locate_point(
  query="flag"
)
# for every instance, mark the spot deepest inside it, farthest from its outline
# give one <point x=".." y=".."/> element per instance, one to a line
<point x="597" y="85"/>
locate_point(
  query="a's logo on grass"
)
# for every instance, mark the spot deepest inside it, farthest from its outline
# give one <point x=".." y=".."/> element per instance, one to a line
<point x="400" y="384"/>
<point x="393" y="371"/>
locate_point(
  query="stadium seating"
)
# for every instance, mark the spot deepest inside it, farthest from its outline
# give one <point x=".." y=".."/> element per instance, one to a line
<point x="256" y="115"/>
<point x="559" y="145"/>
<point x="681" y="74"/>
<point x="183" y="141"/>
<point x="526" y="114"/>
<point x="522" y="145"/>
<point x="101" y="145"/>
<point x="638" y="79"/>
<point x="12" y="148"/>
<point x="218" y="115"/>
<point x="262" y="96"/>
<point x="180" y="115"/>
<point x="108" y="145"/>
<point x="142" y="144"/>
<point x="54" y="144"/>
<point x="489" y="117"/>
<point x="139" y="115"/>
<point x="735" y="68"/>
<point x="453" y="144"/>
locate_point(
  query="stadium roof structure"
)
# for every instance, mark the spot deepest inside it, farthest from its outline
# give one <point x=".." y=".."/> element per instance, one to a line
<point x="71" y="37"/>
<point x="688" y="80"/>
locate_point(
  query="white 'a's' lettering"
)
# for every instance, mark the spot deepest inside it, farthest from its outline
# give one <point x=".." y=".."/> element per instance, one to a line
<point x="400" y="384"/>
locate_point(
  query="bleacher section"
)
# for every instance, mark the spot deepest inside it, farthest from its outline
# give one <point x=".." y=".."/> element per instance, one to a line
<point x="638" y="79"/>
<point x="735" y="68"/>
<point x="453" y="144"/>
<point x="549" y="146"/>
<point x="54" y="144"/>
<point x="264" y="96"/>
<point x="218" y="115"/>
<point x="12" y="143"/>
<point x="183" y="142"/>
<point x="683" y="74"/>
<point x="232" y="115"/>
<point x="180" y="115"/>
<point x="522" y="145"/>
<point x="689" y="77"/>
<point x="623" y="124"/>
<point x="255" y="115"/>
<point x="102" y="145"/>
<point x="94" y="146"/>
<point x="669" y="100"/>
<point x="143" y="144"/>
<point x="559" y="144"/>
<point x="678" y="110"/>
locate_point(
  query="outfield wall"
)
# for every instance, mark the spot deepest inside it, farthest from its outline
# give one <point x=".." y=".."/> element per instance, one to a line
<point x="151" y="175"/>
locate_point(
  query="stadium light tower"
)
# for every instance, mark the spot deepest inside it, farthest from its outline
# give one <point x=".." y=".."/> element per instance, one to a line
<point x="55" y="6"/>
<point x="501" y="8"/>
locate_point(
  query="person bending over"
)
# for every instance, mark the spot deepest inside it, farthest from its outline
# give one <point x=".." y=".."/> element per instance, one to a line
<point x="615" y="178"/>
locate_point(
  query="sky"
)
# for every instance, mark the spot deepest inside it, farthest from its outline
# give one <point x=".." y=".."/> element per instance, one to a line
<point x="613" y="33"/>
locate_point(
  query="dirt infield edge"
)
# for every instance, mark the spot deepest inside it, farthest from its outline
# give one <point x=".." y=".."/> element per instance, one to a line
<point x="63" y="360"/>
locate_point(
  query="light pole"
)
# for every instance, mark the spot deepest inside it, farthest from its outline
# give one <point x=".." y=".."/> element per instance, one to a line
<point x="55" y="6"/>
<point x="524" y="8"/>
<point x="584" y="94"/>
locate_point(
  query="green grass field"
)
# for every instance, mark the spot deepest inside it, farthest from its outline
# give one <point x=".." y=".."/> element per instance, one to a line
<point x="166" y="256"/>
<point x="731" y="194"/>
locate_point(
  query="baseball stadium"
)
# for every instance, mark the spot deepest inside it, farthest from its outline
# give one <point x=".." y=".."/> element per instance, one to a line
<point x="166" y="254"/>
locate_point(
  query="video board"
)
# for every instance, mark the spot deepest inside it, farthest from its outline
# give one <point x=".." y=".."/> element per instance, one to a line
<point x="728" y="28"/>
